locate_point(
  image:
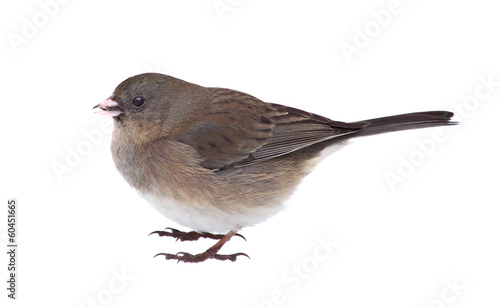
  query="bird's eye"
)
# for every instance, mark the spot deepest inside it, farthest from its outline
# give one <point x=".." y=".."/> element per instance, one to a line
<point x="138" y="101"/>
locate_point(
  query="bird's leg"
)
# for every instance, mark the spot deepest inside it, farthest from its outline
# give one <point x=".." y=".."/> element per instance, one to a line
<point x="210" y="253"/>
<point x="189" y="236"/>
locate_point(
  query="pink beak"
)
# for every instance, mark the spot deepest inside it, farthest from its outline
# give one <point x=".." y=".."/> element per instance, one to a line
<point x="109" y="107"/>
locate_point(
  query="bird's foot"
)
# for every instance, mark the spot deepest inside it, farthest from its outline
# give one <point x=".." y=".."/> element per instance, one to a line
<point x="210" y="253"/>
<point x="189" y="236"/>
<point x="187" y="257"/>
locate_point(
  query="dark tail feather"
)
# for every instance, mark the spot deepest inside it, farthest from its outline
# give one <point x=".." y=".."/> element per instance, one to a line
<point x="405" y="122"/>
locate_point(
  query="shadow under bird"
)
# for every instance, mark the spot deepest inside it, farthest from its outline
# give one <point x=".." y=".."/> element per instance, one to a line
<point x="217" y="160"/>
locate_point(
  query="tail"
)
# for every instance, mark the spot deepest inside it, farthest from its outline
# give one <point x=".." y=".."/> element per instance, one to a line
<point x="405" y="122"/>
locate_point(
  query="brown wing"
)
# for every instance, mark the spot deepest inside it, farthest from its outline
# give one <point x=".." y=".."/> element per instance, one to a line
<point x="296" y="129"/>
<point x="240" y="130"/>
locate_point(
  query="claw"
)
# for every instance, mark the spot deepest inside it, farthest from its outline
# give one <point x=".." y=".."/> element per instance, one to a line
<point x="210" y="253"/>
<point x="189" y="236"/>
<point x="173" y="232"/>
<point x="231" y="257"/>
<point x="241" y="236"/>
<point x="187" y="257"/>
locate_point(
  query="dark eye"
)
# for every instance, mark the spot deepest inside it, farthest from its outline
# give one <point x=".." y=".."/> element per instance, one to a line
<point x="138" y="101"/>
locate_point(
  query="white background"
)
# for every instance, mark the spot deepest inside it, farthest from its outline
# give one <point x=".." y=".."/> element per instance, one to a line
<point x="396" y="247"/>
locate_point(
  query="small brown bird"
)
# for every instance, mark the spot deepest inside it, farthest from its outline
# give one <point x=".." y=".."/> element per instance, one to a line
<point x="217" y="160"/>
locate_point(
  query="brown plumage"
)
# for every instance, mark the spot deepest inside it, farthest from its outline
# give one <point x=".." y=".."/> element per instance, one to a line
<point x="217" y="160"/>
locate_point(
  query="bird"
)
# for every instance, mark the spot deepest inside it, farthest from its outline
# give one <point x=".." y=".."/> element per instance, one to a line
<point x="216" y="160"/>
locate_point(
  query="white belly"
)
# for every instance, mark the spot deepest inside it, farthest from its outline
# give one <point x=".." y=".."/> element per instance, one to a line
<point x="225" y="217"/>
<point x="202" y="217"/>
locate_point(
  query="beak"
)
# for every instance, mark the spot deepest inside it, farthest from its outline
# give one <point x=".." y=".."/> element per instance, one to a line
<point x="109" y="107"/>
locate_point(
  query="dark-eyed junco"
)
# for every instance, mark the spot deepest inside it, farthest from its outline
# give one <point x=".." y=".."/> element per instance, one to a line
<point x="217" y="160"/>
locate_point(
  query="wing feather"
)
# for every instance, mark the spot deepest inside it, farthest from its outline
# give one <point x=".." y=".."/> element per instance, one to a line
<point x="239" y="130"/>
